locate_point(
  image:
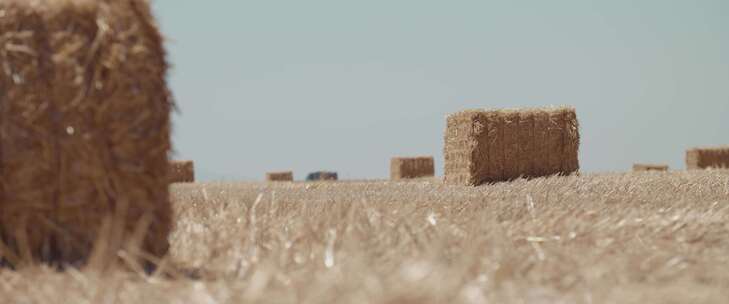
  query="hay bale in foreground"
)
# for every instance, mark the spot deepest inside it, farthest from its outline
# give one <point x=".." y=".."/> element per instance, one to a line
<point x="483" y="146"/>
<point x="85" y="130"/>
<point x="286" y="176"/>
<point x="182" y="171"/>
<point x="707" y="158"/>
<point x="649" y="167"/>
<point x="411" y="167"/>
<point x="322" y="176"/>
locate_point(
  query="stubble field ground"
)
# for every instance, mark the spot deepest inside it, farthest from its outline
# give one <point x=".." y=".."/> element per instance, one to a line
<point x="595" y="238"/>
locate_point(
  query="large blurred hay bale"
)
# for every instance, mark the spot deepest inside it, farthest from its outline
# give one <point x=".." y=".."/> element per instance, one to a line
<point x="707" y="158"/>
<point x="286" y="176"/>
<point x="84" y="129"/>
<point x="182" y="171"/>
<point x="411" y="167"/>
<point x="322" y="176"/>
<point x="649" y="167"/>
<point x="484" y="146"/>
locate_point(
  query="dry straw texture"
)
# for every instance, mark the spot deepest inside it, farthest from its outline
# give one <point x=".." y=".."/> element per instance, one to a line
<point x="650" y="167"/>
<point x="499" y="145"/>
<point x="706" y="158"/>
<point x="287" y="176"/>
<point x="411" y="167"/>
<point x="322" y="176"/>
<point x="182" y="171"/>
<point x="617" y="238"/>
<point x="84" y="129"/>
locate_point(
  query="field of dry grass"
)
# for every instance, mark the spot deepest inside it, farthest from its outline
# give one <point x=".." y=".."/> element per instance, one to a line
<point x="606" y="238"/>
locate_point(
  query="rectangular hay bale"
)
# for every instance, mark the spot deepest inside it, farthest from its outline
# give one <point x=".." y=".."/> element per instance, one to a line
<point x="649" y="167"/>
<point x="84" y="129"/>
<point x="286" y="176"/>
<point x="182" y="171"/>
<point x="707" y="158"/>
<point x="483" y="146"/>
<point x="322" y="176"/>
<point x="512" y="157"/>
<point x="411" y="167"/>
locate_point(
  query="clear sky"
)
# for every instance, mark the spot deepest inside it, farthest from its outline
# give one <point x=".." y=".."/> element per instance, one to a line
<point x="345" y="85"/>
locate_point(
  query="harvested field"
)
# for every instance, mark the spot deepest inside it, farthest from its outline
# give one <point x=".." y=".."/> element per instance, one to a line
<point x="485" y="146"/>
<point x="411" y="167"/>
<point x="707" y="158"/>
<point x="85" y="124"/>
<point x="182" y="171"/>
<point x="606" y="238"/>
<point x="650" y="167"/>
<point x="286" y="176"/>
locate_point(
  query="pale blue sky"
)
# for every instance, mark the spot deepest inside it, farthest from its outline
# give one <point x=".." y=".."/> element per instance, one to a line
<point x="344" y="85"/>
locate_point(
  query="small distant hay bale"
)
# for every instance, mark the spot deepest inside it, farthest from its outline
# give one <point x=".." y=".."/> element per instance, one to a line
<point x="649" y="167"/>
<point x="707" y="158"/>
<point x="411" y="167"/>
<point x="322" y="176"/>
<point x="286" y="176"/>
<point x="483" y="146"/>
<point x="182" y="171"/>
<point x="84" y="131"/>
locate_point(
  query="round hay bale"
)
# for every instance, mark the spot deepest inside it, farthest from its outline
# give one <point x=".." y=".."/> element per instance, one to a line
<point x="84" y="131"/>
